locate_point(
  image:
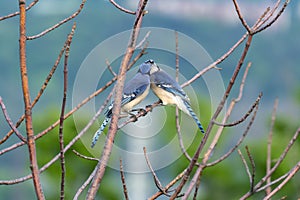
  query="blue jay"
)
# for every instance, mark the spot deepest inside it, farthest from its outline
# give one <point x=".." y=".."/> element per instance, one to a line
<point x="170" y="92"/>
<point x="135" y="90"/>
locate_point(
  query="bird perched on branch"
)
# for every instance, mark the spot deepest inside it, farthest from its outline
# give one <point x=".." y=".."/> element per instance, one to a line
<point x="170" y="92"/>
<point x="135" y="90"/>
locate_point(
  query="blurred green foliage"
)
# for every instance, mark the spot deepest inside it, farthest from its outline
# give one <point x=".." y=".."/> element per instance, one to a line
<point x="275" y="71"/>
<point x="229" y="177"/>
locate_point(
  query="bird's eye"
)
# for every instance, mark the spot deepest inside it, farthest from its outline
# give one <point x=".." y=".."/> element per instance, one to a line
<point x="150" y="61"/>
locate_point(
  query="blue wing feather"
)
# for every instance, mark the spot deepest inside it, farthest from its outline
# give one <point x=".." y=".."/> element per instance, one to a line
<point x="166" y="82"/>
<point x="133" y="89"/>
<point x="173" y="90"/>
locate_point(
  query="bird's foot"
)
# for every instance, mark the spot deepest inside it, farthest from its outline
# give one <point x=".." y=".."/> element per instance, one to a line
<point x="140" y="111"/>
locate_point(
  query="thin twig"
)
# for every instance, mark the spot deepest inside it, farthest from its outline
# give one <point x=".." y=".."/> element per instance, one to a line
<point x="266" y="16"/>
<point x="10" y="123"/>
<point x="229" y="111"/>
<point x="121" y="8"/>
<point x="101" y="166"/>
<point x="82" y="103"/>
<point x="244" y="117"/>
<point x="242" y="19"/>
<point x="282" y="156"/>
<point x="210" y="126"/>
<point x="215" y="63"/>
<point x="84" y="185"/>
<point x="241" y="139"/>
<point x="41" y="91"/>
<point x="143" y="40"/>
<point x="252" y="167"/>
<point x="175" y="180"/>
<point x="272" y="170"/>
<point x="59" y="23"/>
<point x="275" y="18"/>
<point x="179" y="135"/>
<point x="110" y="68"/>
<point x="224" y="56"/>
<point x="177" y="56"/>
<point x="123" y="180"/>
<point x="292" y="173"/>
<point x="269" y="145"/>
<point x="195" y="181"/>
<point x="243" y="83"/>
<point x="61" y="120"/>
<point x="83" y="156"/>
<point x="272" y="183"/>
<point x="17" y="13"/>
<point x="137" y="57"/>
<point x="176" y="110"/>
<point x="196" y="178"/>
<point x="246" y="167"/>
<point x="156" y="180"/>
<point x="67" y="147"/>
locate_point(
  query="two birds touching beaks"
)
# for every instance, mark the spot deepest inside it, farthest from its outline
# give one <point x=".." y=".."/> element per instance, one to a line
<point x="162" y="84"/>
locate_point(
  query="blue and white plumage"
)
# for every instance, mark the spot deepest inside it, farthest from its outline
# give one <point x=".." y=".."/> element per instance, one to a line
<point x="135" y="90"/>
<point x="170" y="92"/>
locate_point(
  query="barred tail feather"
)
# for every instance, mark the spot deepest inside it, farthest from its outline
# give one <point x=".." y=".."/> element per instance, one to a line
<point x="193" y="115"/>
<point x="99" y="131"/>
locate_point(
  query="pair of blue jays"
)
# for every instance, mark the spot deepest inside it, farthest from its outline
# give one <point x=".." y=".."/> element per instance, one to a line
<point x="164" y="87"/>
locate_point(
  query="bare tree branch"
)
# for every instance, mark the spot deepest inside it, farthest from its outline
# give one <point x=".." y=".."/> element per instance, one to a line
<point x="175" y="180"/>
<point x="266" y="15"/>
<point x="177" y="56"/>
<point x="83" y="156"/>
<point x="214" y="64"/>
<point x="156" y="180"/>
<point x="252" y="167"/>
<point x="178" y="129"/>
<point x="26" y="95"/>
<point x="275" y="18"/>
<point x="269" y="145"/>
<point x="241" y="17"/>
<point x="67" y="147"/>
<point x="58" y="24"/>
<point x="197" y="175"/>
<point x="143" y="41"/>
<point x="246" y="167"/>
<point x="272" y="183"/>
<point x="217" y="112"/>
<point x="277" y="180"/>
<point x="142" y="113"/>
<point x="41" y="91"/>
<point x="17" y="13"/>
<point x="209" y="128"/>
<point x="272" y="170"/>
<point x="196" y="178"/>
<point x="61" y="120"/>
<point x="101" y="166"/>
<point x="12" y="126"/>
<point x="85" y="184"/>
<point x="110" y="68"/>
<point x="123" y="180"/>
<point x="121" y="8"/>
<point x="95" y="178"/>
<point x="241" y="139"/>
<point x="290" y="175"/>
<point x="82" y="103"/>
<point x="177" y="110"/>
<point x="244" y="117"/>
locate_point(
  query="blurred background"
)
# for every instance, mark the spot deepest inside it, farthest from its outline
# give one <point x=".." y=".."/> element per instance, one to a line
<point x="275" y="71"/>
